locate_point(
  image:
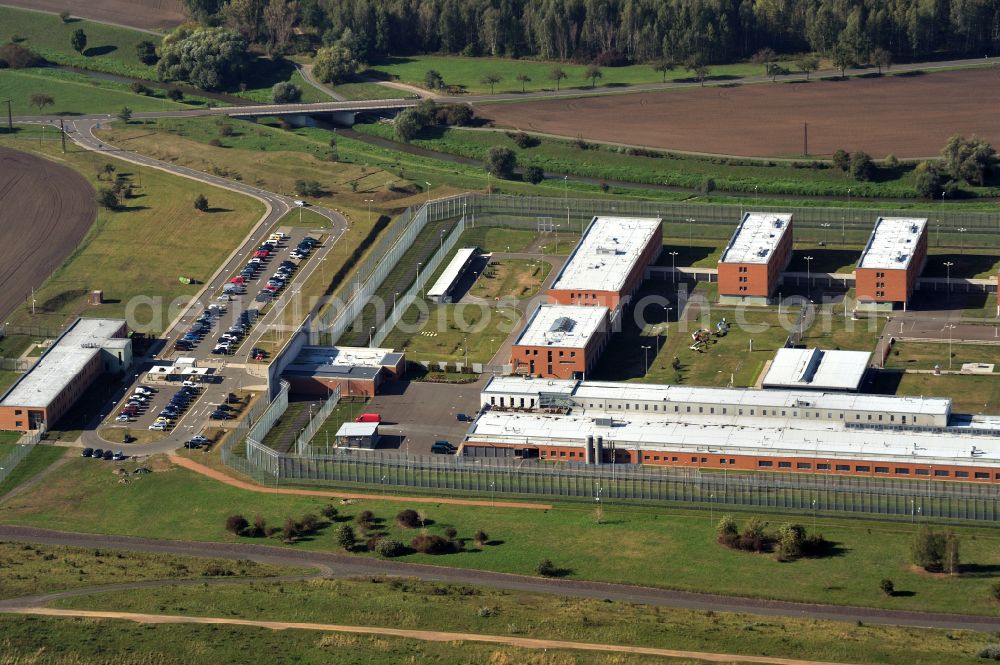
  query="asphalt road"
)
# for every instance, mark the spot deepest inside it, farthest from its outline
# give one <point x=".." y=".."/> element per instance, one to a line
<point x="343" y="565"/>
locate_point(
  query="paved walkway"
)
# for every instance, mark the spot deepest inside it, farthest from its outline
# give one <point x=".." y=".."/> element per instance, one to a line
<point x="424" y="635"/>
<point x="214" y="474"/>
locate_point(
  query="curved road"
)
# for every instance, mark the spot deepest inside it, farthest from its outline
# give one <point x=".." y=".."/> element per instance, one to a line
<point x="341" y="565"/>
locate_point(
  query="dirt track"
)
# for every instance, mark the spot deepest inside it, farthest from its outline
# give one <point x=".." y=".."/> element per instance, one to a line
<point x="229" y="480"/>
<point x="908" y="116"/>
<point x="426" y="635"/>
<point x="142" y="14"/>
<point x="45" y="211"/>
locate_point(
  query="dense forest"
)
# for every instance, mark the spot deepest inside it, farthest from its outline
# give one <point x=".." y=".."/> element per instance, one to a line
<point x="613" y="31"/>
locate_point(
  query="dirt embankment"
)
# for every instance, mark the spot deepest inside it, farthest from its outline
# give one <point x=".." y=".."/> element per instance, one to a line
<point x="908" y="116"/>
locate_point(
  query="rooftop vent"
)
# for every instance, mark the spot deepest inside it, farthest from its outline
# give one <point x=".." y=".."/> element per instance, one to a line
<point x="778" y="223"/>
<point x="563" y="324"/>
<point x="901" y="258"/>
<point x="914" y="228"/>
<point x="604" y="422"/>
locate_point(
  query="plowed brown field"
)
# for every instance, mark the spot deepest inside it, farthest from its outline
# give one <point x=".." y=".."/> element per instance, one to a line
<point x="45" y="211"/>
<point x="908" y="116"/>
<point x="144" y="14"/>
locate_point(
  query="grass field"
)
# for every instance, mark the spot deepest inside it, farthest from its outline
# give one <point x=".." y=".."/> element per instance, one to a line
<point x="34" y="569"/>
<point x="452" y="333"/>
<point x="925" y="355"/>
<point x="417" y="605"/>
<point x="660" y="546"/>
<point x="52" y="641"/>
<point x="510" y="278"/>
<point x="468" y="73"/>
<point x="109" y="48"/>
<point x="726" y="360"/>
<point x="664" y="168"/>
<point x="368" y="91"/>
<point x="969" y="393"/>
<point x="38" y="459"/>
<point x="156" y="238"/>
<point x="75" y="93"/>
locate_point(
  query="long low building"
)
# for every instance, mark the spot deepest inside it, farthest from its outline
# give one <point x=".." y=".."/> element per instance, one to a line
<point x="736" y="442"/>
<point x="440" y="291"/>
<point x="357" y="371"/>
<point x="515" y="392"/>
<point x="817" y="369"/>
<point x="87" y="349"/>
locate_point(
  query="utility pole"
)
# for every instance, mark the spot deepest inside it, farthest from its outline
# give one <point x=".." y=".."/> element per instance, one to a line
<point x="62" y="134"/>
<point x="10" y="117"/>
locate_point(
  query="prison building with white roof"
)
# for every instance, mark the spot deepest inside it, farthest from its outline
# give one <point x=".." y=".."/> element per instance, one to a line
<point x="560" y="341"/>
<point x="757" y="253"/>
<point x="891" y="262"/>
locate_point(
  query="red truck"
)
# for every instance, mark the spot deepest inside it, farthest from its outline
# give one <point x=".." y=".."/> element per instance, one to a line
<point x="368" y="418"/>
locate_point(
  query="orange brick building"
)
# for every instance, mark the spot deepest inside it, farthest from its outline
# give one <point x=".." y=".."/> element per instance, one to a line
<point x="758" y="252"/>
<point x="891" y="263"/>
<point x="560" y="341"/>
<point x="357" y="371"/>
<point x="87" y="349"/>
<point x="609" y="263"/>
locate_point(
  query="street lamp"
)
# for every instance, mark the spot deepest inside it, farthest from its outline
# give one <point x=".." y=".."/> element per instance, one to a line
<point x="673" y="265"/>
<point x="369" y="202"/>
<point x="961" y="238"/>
<point x="645" y="353"/>
<point x="948" y="265"/>
<point x="950" y="327"/>
<point x="808" y="260"/>
<point x="441" y="240"/>
<point x="371" y="335"/>
<point x="394" y="296"/>
<point x="826" y="232"/>
<point x="428" y="194"/>
<point x="690" y="221"/>
<point x="419" y="285"/>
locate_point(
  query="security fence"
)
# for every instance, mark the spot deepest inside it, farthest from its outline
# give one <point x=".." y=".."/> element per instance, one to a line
<point x="402" y="304"/>
<point x="254" y="425"/>
<point x="795" y="492"/>
<point x="316" y="422"/>
<point x="23" y="448"/>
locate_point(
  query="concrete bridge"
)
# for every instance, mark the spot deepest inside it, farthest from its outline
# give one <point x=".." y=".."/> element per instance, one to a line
<point x="343" y="113"/>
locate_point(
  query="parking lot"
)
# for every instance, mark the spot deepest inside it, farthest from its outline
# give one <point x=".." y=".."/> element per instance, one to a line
<point x="416" y="414"/>
<point x="254" y="282"/>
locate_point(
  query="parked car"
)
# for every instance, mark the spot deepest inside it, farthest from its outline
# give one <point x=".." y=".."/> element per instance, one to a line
<point x="442" y="448"/>
<point x="199" y="439"/>
<point x="123" y="418"/>
<point x="158" y="427"/>
<point x="86" y="452"/>
<point x="461" y="417"/>
<point x="98" y="453"/>
<point x="189" y="384"/>
<point x="108" y="456"/>
<point x="119" y="455"/>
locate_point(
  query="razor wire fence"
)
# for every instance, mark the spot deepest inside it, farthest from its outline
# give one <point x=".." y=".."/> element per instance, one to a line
<point x="21" y="450"/>
<point x="793" y="492"/>
<point x="316" y="422"/>
<point x="254" y="425"/>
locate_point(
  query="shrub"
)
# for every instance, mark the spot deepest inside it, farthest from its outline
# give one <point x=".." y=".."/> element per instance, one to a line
<point x="365" y="519"/>
<point x="216" y="570"/>
<point x="235" y="524"/>
<point x="289" y="530"/>
<point x="929" y="182"/>
<point x="139" y="89"/>
<point x="862" y="167"/>
<point x="431" y="544"/>
<point x="308" y="188"/>
<point x="285" y="92"/>
<point x="456" y="115"/>
<point x="888" y="588"/>
<point x="65" y="16"/>
<point x="523" y="140"/>
<point x="546" y="568"/>
<point x="891" y="162"/>
<point x="790" y="540"/>
<point x="388" y="547"/>
<point x="408" y="124"/>
<point x="146" y="52"/>
<point x="501" y="161"/>
<point x="329" y="512"/>
<point x="990" y="652"/>
<point x="345" y="536"/>
<point x="16" y="56"/>
<point x="106" y="198"/>
<point x="928" y="549"/>
<point x="201" y="203"/>
<point x="259" y="528"/>
<point x="841" y="159"/>
<point x="408" y="519"/>
<point x="451" y="533"/>
<point x="175" y="94"/>
<point x="481" y="538"/>
<point x="707" y="185"/>
<point x="534" y="174"/>
<point x="225" y="130"/>
<point x="753" y="538"/>
<point x="308" y="523"/>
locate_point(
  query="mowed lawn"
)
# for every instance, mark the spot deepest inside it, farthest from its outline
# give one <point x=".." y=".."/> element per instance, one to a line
<point x="969" y="393"/>
<point x="659" y="546"/>
<point x="109" y="48"/>
<point x="925" y="355"/>
<point x="137" y="255"/>
<point x="452" y="333"/>
<point x="510" y="278"/>
<point x="73" y="94"/>
<point x="468" y="73"/>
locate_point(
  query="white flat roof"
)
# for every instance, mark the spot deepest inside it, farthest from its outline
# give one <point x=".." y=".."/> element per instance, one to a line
<point x="564" y="326"/>
<point x="596" y="391"/>
<point x="358" y="429"/>
<point x="817" y="369"/>
<point x="760" y="436"/>
<point x="892" y="242"/>
<point x="63" y="361"/>
<point x="756" y="237"/>
<point x="351" y="356"/>
<point x="606" y="254"/>
<point x="451" y="272"/>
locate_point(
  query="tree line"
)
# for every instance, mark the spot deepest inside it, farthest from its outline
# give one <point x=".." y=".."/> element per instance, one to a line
<point x="616" y="31"/>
